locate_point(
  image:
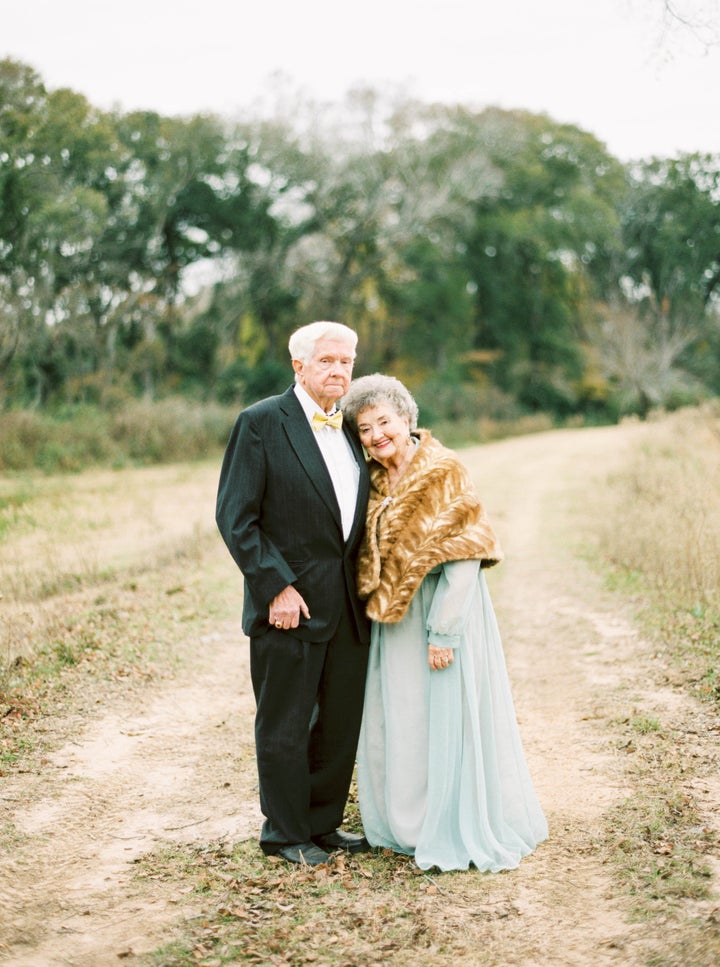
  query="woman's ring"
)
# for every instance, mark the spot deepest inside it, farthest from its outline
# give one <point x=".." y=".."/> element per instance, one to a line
<point x="278" y="624"/>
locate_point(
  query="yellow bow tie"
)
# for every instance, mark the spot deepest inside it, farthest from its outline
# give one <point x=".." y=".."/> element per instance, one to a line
<point x="319" y="420"/>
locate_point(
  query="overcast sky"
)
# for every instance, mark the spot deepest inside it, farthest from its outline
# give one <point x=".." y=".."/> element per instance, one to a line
<point x="610" y="66"/>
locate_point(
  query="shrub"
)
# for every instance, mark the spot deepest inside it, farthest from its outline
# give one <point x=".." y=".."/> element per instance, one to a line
<point x="137" y="432"/>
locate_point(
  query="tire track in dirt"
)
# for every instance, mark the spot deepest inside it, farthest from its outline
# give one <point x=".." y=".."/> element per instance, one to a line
<point x="561" y="665"/>
<point x="575" y="661"/>
<point x="178" y="769"/>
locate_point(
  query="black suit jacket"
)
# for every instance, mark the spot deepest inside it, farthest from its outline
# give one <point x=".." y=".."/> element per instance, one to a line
<point x="278" y="515"/>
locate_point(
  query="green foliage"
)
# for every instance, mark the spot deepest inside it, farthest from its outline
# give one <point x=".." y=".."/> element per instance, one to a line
<point x="658" y="339"/>
<point x="672" y="230"/>
<point x="538" y="251"/>
<point x="498" y="248"/>
<point x="644" y="724"/>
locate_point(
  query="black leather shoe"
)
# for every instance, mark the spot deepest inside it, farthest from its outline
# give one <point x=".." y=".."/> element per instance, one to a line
<point x="307" y="854"/>
<point x="338" y="839"/>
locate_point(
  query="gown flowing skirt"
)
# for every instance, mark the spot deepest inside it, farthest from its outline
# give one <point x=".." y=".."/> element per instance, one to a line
<point x="441" y="769"/>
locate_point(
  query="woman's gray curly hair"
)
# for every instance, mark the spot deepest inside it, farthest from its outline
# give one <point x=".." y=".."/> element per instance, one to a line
<point x="367" y="391"/>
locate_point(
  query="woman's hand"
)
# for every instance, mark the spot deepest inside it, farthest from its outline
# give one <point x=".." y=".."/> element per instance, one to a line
<point x="439" y="657"/>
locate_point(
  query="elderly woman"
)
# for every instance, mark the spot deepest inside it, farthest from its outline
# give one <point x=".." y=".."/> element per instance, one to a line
<point x="441" y="769"/>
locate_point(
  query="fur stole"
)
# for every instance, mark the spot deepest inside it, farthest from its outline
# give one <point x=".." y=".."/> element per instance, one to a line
<point x="433" y="516"/>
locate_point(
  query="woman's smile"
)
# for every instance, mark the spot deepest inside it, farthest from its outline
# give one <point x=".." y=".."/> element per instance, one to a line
<point x="383" y="433"/>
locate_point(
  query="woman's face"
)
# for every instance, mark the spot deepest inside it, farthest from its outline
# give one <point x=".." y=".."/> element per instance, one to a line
<point x="383" y="433"/>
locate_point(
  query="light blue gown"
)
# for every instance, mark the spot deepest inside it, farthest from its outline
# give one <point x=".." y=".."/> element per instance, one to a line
<point x="441" y="768"/>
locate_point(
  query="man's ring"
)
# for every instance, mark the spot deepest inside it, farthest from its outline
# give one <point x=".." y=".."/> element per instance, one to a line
<point x="278" y="624"/>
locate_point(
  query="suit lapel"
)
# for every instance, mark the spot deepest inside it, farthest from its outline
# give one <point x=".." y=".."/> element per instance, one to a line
<point x="304" y="445"/>
<point x="363" y="485"/>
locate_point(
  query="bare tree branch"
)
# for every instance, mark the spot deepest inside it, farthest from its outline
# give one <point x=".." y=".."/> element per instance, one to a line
<point x="701" y="18"/>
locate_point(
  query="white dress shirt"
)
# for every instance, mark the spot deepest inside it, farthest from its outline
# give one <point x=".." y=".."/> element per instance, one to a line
<point x="339" y="459"/>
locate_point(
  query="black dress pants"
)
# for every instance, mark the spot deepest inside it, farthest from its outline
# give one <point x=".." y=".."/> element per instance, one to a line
<point x="309" y="698"/>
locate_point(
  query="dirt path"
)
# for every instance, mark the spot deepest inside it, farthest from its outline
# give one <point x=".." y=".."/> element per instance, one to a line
<point x="568" y="653"/>
<point x="175" y="763"/>
<point x="177" y="767"/>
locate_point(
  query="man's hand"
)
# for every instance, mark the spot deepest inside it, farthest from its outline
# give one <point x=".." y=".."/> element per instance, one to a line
<point x="286" y="608"/>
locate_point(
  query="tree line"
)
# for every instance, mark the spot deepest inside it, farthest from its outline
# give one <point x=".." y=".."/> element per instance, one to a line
<point x="500" y="262"/>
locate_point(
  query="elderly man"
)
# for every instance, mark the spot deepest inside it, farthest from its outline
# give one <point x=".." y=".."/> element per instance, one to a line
<point x="291" y="508"/>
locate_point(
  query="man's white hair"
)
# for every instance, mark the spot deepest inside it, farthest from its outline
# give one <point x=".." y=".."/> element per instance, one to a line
<point x="303" y="341"/>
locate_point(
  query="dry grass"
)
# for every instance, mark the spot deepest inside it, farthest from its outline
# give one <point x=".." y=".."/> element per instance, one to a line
<point x="659" y="534"/>
<point x="103" y="576"/>
<point x="665" y="519"/>
<point x="658" y="531"/>
<point x="361" y="911"/>
<point x="62" y="540"/>
<point x="102" y="573"/>
<point x="130" y="432"/>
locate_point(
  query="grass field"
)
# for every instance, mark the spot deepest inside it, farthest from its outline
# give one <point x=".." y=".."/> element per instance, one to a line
<point x="103" y="573"/>
<point x="659" y="539"/>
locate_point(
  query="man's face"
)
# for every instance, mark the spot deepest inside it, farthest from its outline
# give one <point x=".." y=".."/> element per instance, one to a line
<point x="326" y="376"/>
